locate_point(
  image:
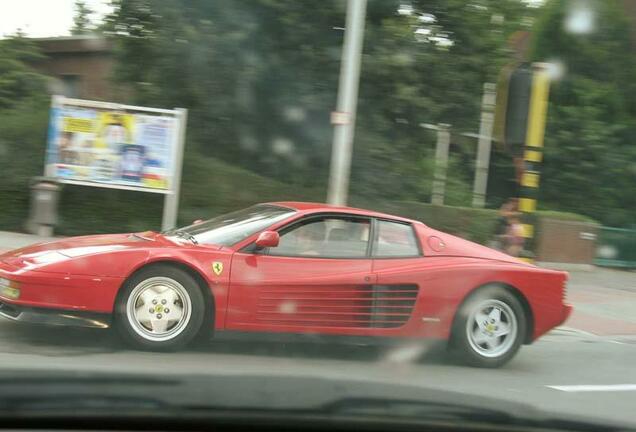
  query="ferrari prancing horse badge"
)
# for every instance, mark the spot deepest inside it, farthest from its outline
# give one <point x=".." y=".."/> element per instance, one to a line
<point x="217" y="267"/>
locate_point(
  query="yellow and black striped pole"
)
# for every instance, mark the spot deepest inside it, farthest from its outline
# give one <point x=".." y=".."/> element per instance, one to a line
<point x="533" y="151"/>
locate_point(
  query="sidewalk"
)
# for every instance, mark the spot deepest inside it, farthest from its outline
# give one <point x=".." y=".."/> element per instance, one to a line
<point x="11" y="240"/>
<point x="604" y="300"/>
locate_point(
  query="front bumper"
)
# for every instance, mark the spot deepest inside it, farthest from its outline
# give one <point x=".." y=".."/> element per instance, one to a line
<point x="54" y="316"/>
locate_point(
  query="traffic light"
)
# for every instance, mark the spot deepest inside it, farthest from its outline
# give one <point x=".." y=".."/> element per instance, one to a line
<point x="520" y="117"/>
<point x="513" y="103"/>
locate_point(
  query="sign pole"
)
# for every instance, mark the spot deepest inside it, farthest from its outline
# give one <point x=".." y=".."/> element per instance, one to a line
<point x="171" y="200"/>
<point x="56" y="103"/>
<point x="344" y="118"/>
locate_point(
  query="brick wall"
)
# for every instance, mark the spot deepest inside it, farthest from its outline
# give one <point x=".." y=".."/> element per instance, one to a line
<point x="88" y="58"/>
<point x="561" y="241"/>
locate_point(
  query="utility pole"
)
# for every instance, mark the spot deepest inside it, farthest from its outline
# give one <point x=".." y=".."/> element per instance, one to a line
<point x="483" y="147"/>
<point x="441" y="164"/>
<point x="344" y="117"/>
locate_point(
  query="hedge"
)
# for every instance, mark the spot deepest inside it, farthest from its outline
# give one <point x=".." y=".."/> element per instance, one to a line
<point x="209" y="187"/>
<point x="474" y="224"/>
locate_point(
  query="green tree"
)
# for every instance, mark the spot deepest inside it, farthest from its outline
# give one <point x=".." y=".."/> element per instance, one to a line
<point x="260" y="78"/>
<point x="590" y="157"/>
<point x="82" y="22"/>
<point x="23" y="109"/>
<point x="18" y="79"/>
<point x="408" y="80"/>
<point x="259" y="81"/>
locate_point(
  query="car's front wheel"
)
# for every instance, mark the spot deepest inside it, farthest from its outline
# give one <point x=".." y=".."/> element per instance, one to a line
<point x="160" y="308"/>
<point x="489" y="328"/>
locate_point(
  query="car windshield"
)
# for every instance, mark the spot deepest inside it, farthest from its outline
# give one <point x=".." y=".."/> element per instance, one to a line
<point x="230" y="228"/>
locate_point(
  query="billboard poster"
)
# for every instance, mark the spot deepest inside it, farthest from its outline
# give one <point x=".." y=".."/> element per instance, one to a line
<point x="111" y="145"/>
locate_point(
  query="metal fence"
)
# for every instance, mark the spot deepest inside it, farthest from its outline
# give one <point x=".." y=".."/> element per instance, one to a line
<point x="616" y="247"/>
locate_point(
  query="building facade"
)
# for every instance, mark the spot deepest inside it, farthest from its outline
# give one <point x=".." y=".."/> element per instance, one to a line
<point x="79" y="66"/>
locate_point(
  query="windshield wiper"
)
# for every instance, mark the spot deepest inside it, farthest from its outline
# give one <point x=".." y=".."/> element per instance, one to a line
<point x="139" y="236"/>
<point x="187" y="236"/>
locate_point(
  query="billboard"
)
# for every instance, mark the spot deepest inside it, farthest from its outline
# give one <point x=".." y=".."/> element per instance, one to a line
<point x="109" y="145"/>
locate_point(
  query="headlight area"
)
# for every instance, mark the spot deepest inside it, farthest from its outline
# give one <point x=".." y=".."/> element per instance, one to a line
<point x="9" y="289"/>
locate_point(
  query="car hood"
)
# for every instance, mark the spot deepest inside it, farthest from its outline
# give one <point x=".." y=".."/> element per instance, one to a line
<point x="75" y="247"/>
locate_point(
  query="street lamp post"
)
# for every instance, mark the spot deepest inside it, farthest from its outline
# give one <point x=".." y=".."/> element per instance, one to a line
<point x="344" y="117"/>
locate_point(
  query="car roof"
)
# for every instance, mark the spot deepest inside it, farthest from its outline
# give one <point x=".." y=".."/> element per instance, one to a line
<point x="313" y="207"/>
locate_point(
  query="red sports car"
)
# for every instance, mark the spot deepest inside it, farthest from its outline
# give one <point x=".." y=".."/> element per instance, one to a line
<point x="288" y="267"/>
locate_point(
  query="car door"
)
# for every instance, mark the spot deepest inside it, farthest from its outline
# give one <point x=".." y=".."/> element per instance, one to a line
<point x="397" y="264"/>
<point x="316" y="280"/>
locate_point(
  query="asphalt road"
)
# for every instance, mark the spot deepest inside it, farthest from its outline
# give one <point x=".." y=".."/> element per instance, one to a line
<point x="562" y="358"/>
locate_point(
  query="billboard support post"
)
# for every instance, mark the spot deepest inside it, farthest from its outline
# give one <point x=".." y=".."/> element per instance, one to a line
<point x="49" y="171"/>
<point x="171" y="200"/>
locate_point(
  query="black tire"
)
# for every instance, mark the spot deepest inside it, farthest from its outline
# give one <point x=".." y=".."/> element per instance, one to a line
<point x="465" y="348"/>
<point x="134" y="334"/>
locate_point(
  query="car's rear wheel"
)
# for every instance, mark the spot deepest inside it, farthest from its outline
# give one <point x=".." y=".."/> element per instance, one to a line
<point x="160" y="308"/>
<point x="489" y="328"/>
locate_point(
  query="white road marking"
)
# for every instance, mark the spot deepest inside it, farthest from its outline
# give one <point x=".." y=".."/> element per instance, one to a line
<point x="594" y="388"/>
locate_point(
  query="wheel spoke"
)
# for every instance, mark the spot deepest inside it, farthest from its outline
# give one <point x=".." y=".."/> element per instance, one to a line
<point x="481" y="319"/>
<point x="479" y="337"/>
<point x="170" y="296"/>
<point x="176" y="313"/>
<point x="495" y="314"/>
<point x="159" y="325"/>
<point x="143" y="315"/>
<point x="492" y="343"/>
<point x="504" y="329"/>
<point x="148" y="295"/>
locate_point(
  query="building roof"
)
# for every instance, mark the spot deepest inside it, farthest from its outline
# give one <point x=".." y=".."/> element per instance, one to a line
<point x="74" y="44"/>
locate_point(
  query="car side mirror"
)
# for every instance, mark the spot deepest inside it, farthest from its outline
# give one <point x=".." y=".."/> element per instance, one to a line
<point x="267" y="239"/>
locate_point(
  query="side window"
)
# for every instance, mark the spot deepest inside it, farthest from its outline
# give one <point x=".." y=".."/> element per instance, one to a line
<point x="329" y="237"/>
<point x="395" y="239"/>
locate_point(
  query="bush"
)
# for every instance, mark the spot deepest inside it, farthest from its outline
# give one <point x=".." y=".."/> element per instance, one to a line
<point x="474" y="224"/>
<point x="209" y="188"/>
<point x="550" y="214"/>
<point x="471" y="223"/>
<point x="22" y="145"/>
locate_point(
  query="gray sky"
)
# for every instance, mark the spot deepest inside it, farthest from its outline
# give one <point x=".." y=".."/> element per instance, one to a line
<point x="43" y="18"/>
